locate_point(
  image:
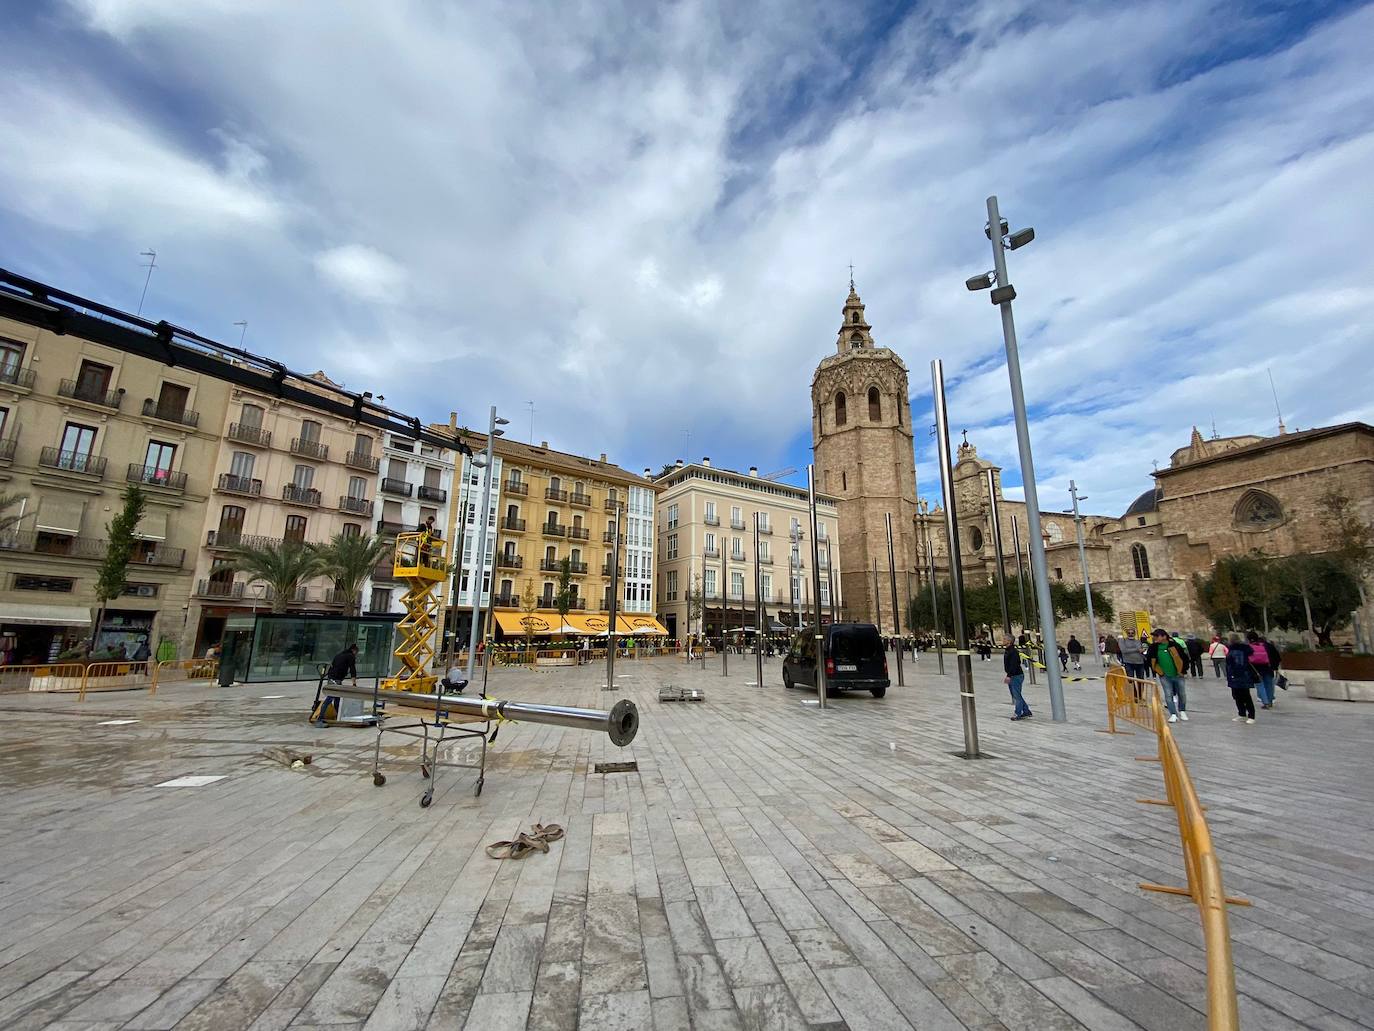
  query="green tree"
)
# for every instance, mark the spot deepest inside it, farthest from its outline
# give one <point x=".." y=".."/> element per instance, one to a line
<point x="1218" y="592"/>
<point x="529" y="605"/>
<point x="9" y="520"/>
<point x="566" y="592"/>
<point x="111" y="578"/>
<point x="1349" y="537"/>
<point x="350" y="561"/>
<point x="696" y="603"/>
<point x="1317" y="593"/>
<point x="983" y="607"/>
<point x="283" y="566"/>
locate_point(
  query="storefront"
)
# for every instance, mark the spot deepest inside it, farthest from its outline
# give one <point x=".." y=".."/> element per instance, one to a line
<point x="31" y="634"/>
<point x="127" y="628"/>
<point x="282" y="646"/>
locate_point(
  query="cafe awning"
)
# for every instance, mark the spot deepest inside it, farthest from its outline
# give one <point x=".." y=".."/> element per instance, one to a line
<point x="45" y="615"/>
<point x="520" y="623"/>
<point x="592" y="625"/>
<point x="641" y="625"/>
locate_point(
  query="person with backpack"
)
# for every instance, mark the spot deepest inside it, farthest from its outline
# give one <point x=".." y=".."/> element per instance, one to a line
<point x="1240" y="677"/>
<point x="1264" y="657"/>
<point x="1076" y="652"/>
<point x="1216" y="651"/>
<point x="1170" y="663"/>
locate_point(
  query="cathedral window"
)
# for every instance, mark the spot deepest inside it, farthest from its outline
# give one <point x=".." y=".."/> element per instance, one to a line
<point x="875" y="405"/>
<point x="1140" y="560"/>
<point x="1258" y="511"/>
<point x="856" y="341"/>
<point x="855" y="318"/>
<point x="841" y="415"/>
<point x="975" y="539"/>
<point x="844" y="480"/>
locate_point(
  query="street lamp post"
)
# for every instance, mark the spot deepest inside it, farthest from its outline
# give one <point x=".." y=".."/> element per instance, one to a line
<point x="896" y="616"/>
<point x="759" y="609"/>
<point x="1083" y="561"/>
<point x="816" y="576"/>
<point x="1002" y="296"/>
<point x="1021" y="586"/>
<point x="479" y="558"/>
<point x="995" y="524"/>
<point x="615" y="596"/>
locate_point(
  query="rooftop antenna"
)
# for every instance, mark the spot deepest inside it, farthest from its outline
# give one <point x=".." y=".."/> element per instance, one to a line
<point x="530" y="406"/>
<point x="1214" y="429"/>
<point x="243" y="331"/>
<point x="1277" y="411"/>
<point x="151" y="255"/>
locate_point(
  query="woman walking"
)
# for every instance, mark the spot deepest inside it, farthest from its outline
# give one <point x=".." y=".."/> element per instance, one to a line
<point x="1260" y="659"/>
<point x="1216" y="651"/>
<point x="1240" y="677"/>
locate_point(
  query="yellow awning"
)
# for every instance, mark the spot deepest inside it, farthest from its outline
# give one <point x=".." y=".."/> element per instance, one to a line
<point x="642" y="625"/>
<point x="593" y="625"/>
<point x="515" y="623"/>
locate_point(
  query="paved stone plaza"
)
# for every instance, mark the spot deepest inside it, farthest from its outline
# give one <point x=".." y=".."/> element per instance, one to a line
<point x="768" y="866"/>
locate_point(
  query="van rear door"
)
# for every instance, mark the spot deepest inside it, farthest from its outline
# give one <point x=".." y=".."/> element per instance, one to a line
<point x="857" y="652"/>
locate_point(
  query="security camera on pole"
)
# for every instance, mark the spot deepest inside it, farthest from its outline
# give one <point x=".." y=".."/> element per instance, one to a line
<point x="1002" y="296"/>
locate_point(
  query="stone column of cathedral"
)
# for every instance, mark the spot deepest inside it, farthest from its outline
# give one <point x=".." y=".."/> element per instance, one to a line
<point x="865" y="460"/>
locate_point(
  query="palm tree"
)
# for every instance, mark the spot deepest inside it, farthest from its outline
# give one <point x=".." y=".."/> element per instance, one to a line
<point x="350" y="560"/>
<point x="282" y="566"/>
<point x="8" y="519"/>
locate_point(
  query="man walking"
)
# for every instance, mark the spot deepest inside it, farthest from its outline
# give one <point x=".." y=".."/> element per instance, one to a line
<point x="1075" y="652"/>
<point x="1011" y="663"/>
<point x="1170" y="662"/>
<point x="1133" y="659"/>
<point x="1195" y="650"/>
<point x="1240" y="677"/>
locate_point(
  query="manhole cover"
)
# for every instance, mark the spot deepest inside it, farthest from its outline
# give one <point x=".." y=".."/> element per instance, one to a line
<point x="629" y="767"/>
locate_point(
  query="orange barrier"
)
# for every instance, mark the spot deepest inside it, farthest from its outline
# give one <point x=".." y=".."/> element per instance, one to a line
<point x="1200" y="864"/>
<point x="183" y="671"/>
<point x="55" y="676"/>
<point x="114" y="676"/>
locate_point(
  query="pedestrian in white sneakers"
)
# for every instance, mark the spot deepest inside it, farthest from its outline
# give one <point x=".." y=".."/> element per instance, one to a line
<point x="1170" y="662"/>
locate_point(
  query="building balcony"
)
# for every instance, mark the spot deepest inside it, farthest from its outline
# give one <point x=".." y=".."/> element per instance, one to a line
<point x="221" y="540"/>
<point x="553" y="530"/>
<point x="72" y="462"/>
<point x="7" y="448"/>
<point x="337" y="596"/>
<point x="224" y="590"/>
<point x="609" y="537"/>
<point x="155" y="477"/>
<point x="579" y="533"/>
<point x="506" y="601"/>
<point x="546" y="601"/>
<point x="399" y="487"/>
<point x="231" y="484"/>
<point x="390" y="527"/>
<point x="765" y="560"/>
<point x="606" y="570"/>
<point x="432" y="494"/>
<point x="510" y="562"/>
<point x="363" y="460"/>
<point x="306" y="497"/>
<point x="513" y="524"/>
<point x="254" y="436"/>
<point x="379" y="606"/>
<point x="555" y="565"/>
<point x="552" y="494"/>
<point x="766" y="529"/>
<point x="310" y="449"/>
<point x="736" y="556"/>
<point x="577" y="605"/>
<point x="86" y="549"/>
<point x="179" y="416"/>
<point x="711" y="520"/>
<point x="91" y="395"/>
<point x="517" y="487"/>
<point x="611" y="505"/>
<point x="356" y="506"/>
<point x="737" y="524"/>
<point x="14" y="376"/>
<point x="580" y="500"/>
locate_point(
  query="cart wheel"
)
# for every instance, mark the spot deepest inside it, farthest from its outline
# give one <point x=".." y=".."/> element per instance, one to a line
<point x="378" y="779"/>
<point x="426" y="799"/>
<point x="480" y="781"/>
<point x="424" y="771"/>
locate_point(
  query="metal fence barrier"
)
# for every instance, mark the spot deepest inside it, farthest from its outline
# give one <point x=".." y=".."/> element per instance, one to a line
<point x="1138" y="702"/>
<point x="183" y="671"/>
<point x="115" y="676"/>
<point x="53" y="676"/>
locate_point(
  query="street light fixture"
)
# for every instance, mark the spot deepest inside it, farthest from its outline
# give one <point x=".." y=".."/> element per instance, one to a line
<point x="1002" y="296"/>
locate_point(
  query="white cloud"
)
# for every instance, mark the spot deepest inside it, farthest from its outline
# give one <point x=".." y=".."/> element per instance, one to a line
<point x="641" y="216"/>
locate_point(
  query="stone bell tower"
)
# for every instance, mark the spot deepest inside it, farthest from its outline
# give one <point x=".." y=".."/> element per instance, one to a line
<point x="861" y="433"/>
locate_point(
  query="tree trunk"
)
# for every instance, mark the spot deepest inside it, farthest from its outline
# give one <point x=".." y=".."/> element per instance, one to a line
<point x="1307" y="608"/>
<point x="95" y="629"/>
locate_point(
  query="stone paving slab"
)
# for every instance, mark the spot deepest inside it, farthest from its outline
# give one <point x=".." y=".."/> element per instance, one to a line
<point x="768" y="866"/>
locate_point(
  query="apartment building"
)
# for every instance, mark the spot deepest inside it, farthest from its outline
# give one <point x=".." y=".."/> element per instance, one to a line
<point x="706" y="532"/>
<point x="546" y="506"/>
<point x="283" y="470"/>
<point x="79" y="421"/>
<point x="415" y="483"/>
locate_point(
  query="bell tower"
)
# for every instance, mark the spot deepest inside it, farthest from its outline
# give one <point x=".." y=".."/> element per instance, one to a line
<point x="865" y="460"/>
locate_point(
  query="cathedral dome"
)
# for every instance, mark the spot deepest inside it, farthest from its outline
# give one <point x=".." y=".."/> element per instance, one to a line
<point x="1147" y="502"/>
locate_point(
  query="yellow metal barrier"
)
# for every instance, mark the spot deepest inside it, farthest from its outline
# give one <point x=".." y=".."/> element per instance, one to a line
<point x="182" y="671"/>
<point x="58" y="676"/>
<point x="114" y="676"/>
<point x="1138" y="702"/>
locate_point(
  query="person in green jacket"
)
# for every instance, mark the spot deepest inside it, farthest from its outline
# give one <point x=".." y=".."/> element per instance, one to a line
<point x="1170" y="663"/>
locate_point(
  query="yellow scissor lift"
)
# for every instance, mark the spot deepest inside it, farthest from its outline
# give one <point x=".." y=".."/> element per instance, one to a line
<point x="419" y="562"/>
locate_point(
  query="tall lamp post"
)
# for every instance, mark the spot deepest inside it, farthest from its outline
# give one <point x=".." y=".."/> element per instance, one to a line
<point x="1002" y="296"/>
<point x="1083" y="561"/>
<point x="479" y="558"/>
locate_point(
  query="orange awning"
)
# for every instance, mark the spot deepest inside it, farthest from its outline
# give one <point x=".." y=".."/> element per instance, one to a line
<point x="592" y="625"/>
<point x="641" y="625"/>
<point x="515" y="623"/>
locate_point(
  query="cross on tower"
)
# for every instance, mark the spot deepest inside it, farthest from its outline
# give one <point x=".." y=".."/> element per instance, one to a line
<point x="851" y="275"/>
<point x="965" y="438"/>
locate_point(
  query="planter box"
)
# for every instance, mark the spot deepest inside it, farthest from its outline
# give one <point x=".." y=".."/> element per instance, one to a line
<point x="1308" y="660"/>
<point x="1352" y="667"/>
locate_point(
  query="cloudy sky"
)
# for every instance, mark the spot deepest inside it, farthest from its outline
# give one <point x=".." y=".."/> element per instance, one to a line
<point x="640" y="217"/>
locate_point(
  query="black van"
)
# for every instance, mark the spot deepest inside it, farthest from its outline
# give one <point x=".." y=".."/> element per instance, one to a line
<point x="855" y="659"/>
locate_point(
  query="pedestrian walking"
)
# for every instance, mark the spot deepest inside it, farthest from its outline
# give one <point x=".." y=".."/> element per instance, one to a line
<point x="1063" y="659"/>
<point x="1112" y="647"/>
<point x="1076" y="651"/>
<point x="1011" y="664"/>
<point x="1264" y="657"/>
<point x="1170" y="663"/>
<point x="1133" y="659"/>
<point x="1216" y="651"/>
<point x="1240" y="677"/>
<point x="1195" y="651"/>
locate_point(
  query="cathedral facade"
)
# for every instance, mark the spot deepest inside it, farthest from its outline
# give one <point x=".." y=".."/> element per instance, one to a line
<point x="865" y="460"/>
